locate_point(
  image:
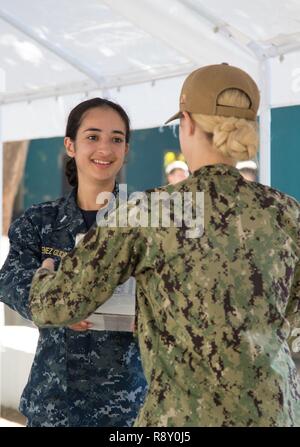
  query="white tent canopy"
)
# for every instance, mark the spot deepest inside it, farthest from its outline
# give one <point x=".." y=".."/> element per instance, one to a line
<point x="55" y="53"/>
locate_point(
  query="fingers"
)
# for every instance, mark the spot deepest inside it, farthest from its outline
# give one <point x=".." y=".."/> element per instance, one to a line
<point x="82" y="326"/>
<point x="48" y="264"/>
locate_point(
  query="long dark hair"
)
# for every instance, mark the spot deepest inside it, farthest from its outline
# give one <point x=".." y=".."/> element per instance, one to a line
<point x="73" y="124"/>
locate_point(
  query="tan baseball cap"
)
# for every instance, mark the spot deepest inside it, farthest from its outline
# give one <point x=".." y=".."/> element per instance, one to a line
<point x="201" y="89"/>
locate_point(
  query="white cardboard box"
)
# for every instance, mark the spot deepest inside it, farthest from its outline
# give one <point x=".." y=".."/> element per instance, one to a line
<point x="118" y="313"/>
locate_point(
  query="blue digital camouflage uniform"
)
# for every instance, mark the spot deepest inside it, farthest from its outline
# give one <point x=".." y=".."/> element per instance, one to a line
<point x="214" y="313"/>
<point x="91" y="378"/>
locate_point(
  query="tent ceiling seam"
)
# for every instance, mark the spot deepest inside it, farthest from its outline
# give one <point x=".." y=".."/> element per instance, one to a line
<point x="86" y="87"/>
<point x="262" y="52"/>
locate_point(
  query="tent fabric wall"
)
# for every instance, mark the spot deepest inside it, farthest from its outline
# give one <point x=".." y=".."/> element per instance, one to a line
<point x="136" y="52"/>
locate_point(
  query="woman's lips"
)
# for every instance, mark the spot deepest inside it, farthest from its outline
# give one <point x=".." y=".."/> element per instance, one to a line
<point x="101" y="164"/>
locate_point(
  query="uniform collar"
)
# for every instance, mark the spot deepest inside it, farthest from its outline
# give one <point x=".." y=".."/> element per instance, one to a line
<point x="217" y="169"/>
<point x="69" y="214"/>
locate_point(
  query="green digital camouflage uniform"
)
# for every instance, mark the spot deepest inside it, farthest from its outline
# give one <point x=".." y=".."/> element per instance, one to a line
<point x="214" y="312"/>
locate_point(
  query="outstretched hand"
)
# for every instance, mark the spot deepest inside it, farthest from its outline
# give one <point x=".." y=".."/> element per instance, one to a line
<point x="82" y="326"/>
<point x="48" y="264"/>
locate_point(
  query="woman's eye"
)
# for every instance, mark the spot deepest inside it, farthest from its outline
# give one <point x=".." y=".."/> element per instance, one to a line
<point x="118" y="140"/>
<point x="92" y="137"/>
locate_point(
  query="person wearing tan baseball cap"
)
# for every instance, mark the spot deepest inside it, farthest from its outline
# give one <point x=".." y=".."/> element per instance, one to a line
<point x="217" y="111"/>
<point x="202" y="88"/>
<point x="246" y="304"/>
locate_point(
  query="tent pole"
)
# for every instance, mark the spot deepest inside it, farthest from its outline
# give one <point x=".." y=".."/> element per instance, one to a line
<point x="265" y="123"/>
<point x="1" y="175"/>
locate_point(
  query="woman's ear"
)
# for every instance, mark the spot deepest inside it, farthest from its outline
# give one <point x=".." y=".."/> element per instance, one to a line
<point x="189" y="123"/>
<point x="70" y="147"/>
<point x="126" y="149"/>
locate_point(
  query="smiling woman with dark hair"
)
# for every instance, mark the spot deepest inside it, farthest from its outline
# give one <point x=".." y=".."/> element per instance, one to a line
<point x="80" y="376"/>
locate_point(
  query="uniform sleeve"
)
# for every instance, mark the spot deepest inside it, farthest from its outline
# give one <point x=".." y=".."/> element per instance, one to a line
<point x="293" y="307"/>
<point x="293" y="312"/>
<point x="87" y="276"/>
<point x="23" y="259"/>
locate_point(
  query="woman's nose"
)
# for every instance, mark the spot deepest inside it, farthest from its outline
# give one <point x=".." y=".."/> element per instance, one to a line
<point x="104" y="145"/>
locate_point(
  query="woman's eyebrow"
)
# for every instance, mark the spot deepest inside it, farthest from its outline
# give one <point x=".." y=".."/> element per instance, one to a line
<point x="95" y="129"/>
